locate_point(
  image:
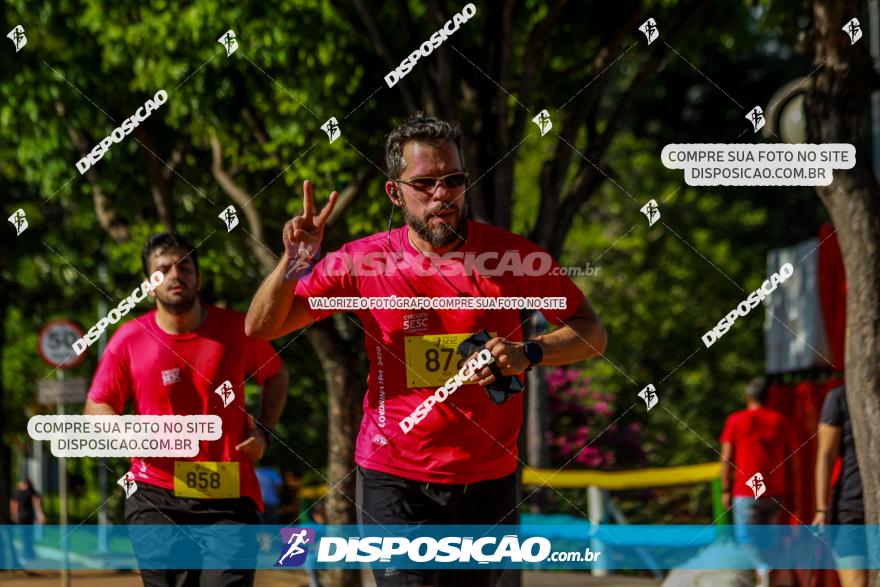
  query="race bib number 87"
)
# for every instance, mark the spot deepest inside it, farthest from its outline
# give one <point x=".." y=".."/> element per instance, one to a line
<point x="433" y="358"/>
<point x="206" y="480"/>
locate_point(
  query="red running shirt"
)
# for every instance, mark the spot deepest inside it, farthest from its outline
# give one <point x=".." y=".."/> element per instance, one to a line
<point x="176" y="374"/>
<point x="466" y="438"/>
<point x="762" y="441"/>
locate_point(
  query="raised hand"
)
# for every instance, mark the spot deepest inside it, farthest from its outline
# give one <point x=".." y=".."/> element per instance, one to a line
<point x="307" y="229"/>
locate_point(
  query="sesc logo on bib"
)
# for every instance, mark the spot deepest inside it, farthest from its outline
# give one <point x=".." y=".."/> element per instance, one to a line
<point x="295" y="546"/>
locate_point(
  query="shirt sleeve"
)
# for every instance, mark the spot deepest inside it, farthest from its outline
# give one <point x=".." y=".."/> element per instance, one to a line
<point x="261" y="360"/>
<point x="550" y="284"/>
<point x="832" y="410"/>
<point x="111" y="384"/>
<point x="727" y="432"/>
<point x="330" y="277"/>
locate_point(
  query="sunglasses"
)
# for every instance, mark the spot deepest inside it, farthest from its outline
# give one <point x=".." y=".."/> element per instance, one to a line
<point x="452" y="180"/>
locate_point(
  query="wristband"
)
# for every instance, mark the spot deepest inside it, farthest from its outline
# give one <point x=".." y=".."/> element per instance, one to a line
<point x="821" y="511"/>
<point x="267" y="432"/>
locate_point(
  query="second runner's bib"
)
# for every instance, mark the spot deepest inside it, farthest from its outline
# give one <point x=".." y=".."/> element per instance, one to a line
<point x="206" y="479"/>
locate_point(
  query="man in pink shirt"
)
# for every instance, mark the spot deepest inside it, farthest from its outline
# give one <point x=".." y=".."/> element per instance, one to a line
<point x="432" y="449"/>
<point x="171" y="361"/>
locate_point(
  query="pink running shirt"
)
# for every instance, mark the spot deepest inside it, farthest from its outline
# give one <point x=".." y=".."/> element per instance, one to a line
<point x="467" y="438"/>
<point x="176" y="374"/>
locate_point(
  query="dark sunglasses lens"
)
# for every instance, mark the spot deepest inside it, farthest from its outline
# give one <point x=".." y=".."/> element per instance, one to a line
<point x="424" y="183"/>
<point x="455" y="181"/>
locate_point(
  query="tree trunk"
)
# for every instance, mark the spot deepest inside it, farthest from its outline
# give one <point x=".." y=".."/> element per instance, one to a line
<point x="835" y="102"/>
<point x="342" y="419"/>
<point x="5" y="452"/>
<point x="335" y="356"/>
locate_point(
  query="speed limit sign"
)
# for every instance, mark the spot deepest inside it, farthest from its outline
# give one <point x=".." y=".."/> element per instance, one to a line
<point x="55" y="344"/>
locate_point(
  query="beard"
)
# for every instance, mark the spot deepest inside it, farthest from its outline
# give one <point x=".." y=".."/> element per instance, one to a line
<point x="440" y="235"/>
<point x="177" y="303"/>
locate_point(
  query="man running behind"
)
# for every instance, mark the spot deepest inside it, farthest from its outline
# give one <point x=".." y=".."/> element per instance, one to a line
<point x="171" y="361"/>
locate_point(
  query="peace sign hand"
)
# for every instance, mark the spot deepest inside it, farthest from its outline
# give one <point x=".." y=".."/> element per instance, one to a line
<point x="307" y="229"/>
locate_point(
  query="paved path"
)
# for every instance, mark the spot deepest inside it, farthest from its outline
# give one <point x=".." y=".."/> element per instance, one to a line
<point x="299" y="579"/>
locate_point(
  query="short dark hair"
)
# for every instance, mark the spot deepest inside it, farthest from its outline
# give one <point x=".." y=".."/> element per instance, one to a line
<point x="423" y="128"/>
<point x="167" y="240"/>
<point x="757" y="390"/>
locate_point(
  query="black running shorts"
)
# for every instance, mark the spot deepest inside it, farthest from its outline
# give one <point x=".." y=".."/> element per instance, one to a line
<point x="390" y="500"/>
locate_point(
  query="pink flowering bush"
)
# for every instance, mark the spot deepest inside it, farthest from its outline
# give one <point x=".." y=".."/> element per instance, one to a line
<point x="584" y="430"/>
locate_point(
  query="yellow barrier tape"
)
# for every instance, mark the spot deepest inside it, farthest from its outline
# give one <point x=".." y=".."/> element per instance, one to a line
<point x="615" y="480"/>
<point x="315" y="492"/>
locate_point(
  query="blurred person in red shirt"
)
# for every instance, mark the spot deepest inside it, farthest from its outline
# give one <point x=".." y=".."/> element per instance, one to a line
<point x="756" y="446"/>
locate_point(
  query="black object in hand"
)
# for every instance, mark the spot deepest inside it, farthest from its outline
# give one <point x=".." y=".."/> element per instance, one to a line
<point x="504" y="386"/>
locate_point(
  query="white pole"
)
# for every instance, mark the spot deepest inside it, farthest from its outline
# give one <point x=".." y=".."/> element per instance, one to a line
<point x="596" y="511"/>
<point x="62" y="498"/>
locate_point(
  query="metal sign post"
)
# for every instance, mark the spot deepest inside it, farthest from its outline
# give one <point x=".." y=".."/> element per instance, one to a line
<point x="62" y="491"/>
<point x="55" y="346"/>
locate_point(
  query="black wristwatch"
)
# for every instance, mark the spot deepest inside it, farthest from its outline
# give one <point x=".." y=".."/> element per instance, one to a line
<point x="534" y="352"/>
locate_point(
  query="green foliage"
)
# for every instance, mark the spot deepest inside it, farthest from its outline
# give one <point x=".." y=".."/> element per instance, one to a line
<point x="88" y="65"/>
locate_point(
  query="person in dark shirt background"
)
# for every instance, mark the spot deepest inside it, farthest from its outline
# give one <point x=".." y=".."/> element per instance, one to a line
<point x="846" y="505"/>
<point x="26" y="508"/>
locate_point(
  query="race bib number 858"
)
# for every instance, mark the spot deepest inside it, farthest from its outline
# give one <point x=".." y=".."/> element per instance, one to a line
<point x="206" y="480"/>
